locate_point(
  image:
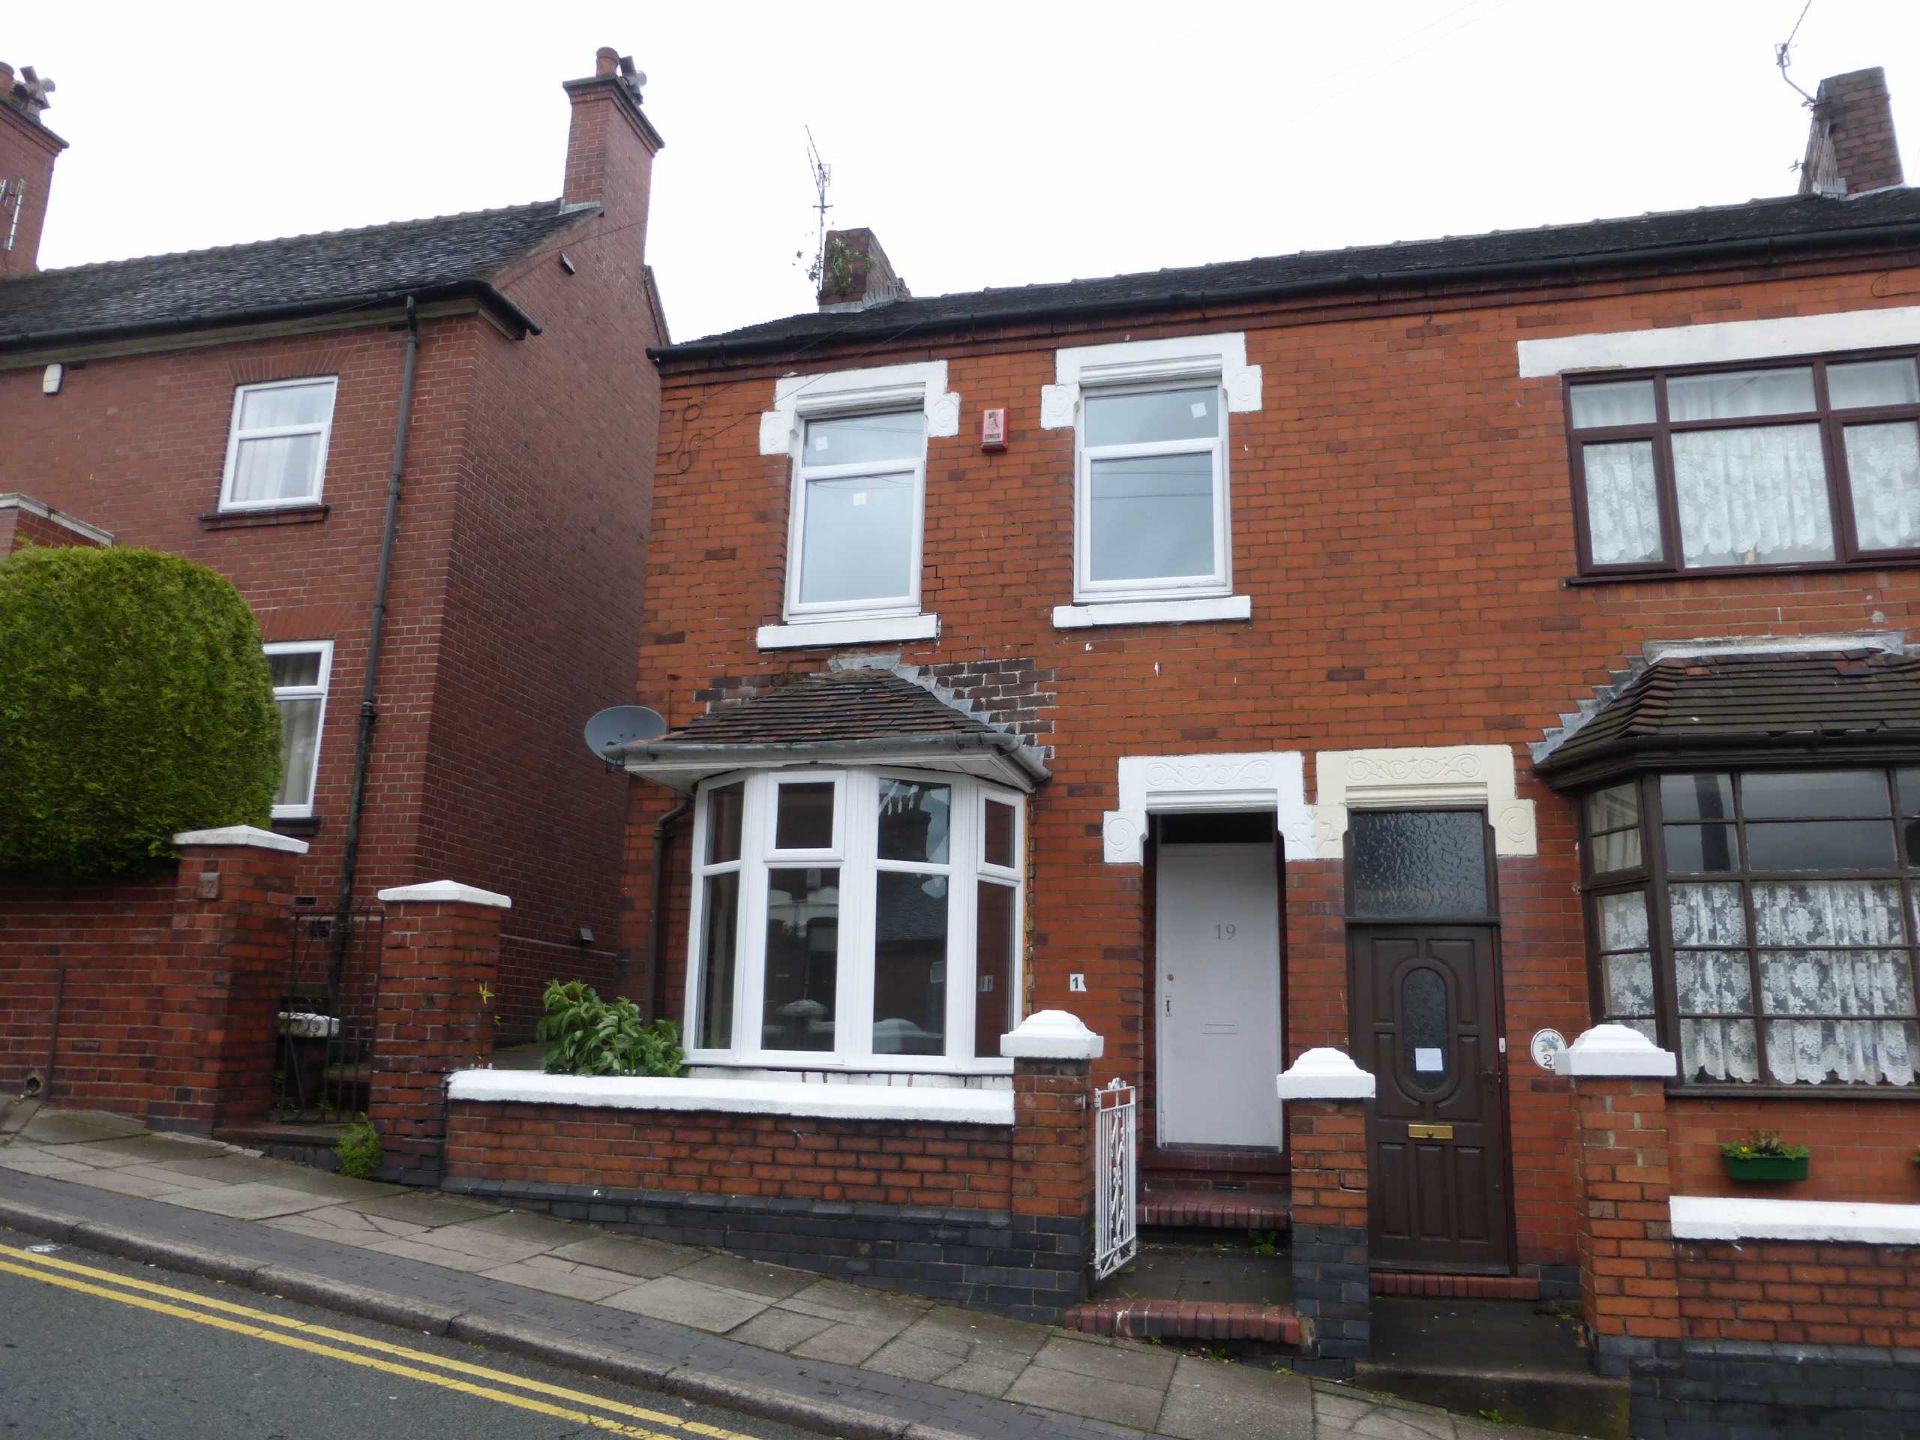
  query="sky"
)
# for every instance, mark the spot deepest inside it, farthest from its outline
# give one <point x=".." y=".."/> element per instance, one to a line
<point x="985" y="143"/>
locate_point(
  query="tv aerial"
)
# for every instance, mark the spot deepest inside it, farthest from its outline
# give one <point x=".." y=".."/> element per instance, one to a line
<point x="619" y="725"/>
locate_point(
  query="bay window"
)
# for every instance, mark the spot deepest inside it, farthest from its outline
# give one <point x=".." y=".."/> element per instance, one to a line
<point x="854" y="918"/>
<point x="1761" y="923"/>
<point x="1810" y="462"/>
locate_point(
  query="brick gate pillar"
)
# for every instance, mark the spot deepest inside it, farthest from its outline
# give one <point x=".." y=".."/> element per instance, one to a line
<point x="1623" y="1181"/>
<point x="439" y="954"/>
<point x="1051" y="1189"/>
<point x="1327" y="1097"/>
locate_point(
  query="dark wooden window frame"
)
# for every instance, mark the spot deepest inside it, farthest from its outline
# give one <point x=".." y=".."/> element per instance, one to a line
<point x="1651" y="877"/>
<point x="1848" y="555"/>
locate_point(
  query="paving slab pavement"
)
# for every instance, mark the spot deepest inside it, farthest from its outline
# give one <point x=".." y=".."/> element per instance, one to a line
<point x="653" y="1311"/>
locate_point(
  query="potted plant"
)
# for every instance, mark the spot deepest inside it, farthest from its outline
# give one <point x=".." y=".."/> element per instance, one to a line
<point x="1763" y="1155"/>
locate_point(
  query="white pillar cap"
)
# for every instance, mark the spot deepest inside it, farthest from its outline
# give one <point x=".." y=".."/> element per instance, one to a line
<point x="242" y="835"/>
<point x="445" y="892"/>
<point x="1052" y="1035"/>
<point x="1616" y="1050"/>
<point x="1324" y="1073"/>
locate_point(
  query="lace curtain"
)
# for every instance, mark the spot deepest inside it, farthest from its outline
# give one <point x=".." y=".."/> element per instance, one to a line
<point x="1713" y="982"/>
<point x="1752" y="497"/>
<point x="1623" y="513"/>
<point x="1883" y="470"/>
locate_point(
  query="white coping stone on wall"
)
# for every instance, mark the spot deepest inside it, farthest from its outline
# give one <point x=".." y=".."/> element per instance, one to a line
<point x="1324" y="1073"/>
<point x="1719" y="1217"/>
<point x="1052" y="1035"/>
<point x="445" y="892"/>
<point x="242" y="835"/>
<point x="1617" y="1050"/>
<point x="1720" y="341"/>
<point x="13" y="500"/>
<point x="738" y="1097"/>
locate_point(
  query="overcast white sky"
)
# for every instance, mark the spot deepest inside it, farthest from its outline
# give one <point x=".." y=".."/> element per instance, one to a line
<point x="985" y="143"/>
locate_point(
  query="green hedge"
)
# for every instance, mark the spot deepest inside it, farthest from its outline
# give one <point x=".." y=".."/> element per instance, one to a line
<point x="135" y="702"/>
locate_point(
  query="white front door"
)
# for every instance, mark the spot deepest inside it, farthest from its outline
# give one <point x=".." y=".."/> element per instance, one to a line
<point x="1218" y="1001"/>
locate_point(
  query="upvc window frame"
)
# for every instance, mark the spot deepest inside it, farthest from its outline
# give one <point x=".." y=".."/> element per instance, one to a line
<point x="317" y="691"/>
<point x="1830" y="421"/>
<point x="855" y="854"/>
<point x="1218" y="582"/>
<point x="236" y="436"/>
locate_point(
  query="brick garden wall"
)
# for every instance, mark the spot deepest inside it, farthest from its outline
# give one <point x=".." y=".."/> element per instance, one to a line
<point x="1862" y="1149"/>
<point x="1800" y="1293"/>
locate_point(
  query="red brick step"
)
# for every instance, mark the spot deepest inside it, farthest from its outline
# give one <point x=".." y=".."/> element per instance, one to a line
<point x="1456" y="1287"/>
<point x="1186" y="1320"/>
<point x="1198" y="1208"/>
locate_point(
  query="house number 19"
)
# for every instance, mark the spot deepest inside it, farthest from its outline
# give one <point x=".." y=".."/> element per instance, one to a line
<point x="1225" y="932"/>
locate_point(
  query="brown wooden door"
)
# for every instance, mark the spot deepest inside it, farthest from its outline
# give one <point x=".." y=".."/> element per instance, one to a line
<point x="1424" y="1022"/>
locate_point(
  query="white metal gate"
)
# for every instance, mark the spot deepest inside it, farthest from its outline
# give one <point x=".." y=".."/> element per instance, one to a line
<point x="1115" y="1166"/>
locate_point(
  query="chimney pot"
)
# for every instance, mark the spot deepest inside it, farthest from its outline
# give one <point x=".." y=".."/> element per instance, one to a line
<point x="606" y="61"/>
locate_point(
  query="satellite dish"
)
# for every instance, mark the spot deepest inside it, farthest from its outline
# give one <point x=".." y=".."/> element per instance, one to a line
<point x="621" y="725"/>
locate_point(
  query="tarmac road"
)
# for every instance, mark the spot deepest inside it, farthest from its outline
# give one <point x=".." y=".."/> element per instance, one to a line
<point x="107" y="1349"/>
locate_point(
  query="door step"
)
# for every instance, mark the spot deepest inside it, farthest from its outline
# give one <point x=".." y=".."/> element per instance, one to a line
<point x="1456" y="1287"/>
<point x="1194" y="1207"/>
<point x="1148" y="1319"/>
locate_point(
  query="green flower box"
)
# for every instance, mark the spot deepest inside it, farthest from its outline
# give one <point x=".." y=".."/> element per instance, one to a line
<point x="1766" y="1167"/>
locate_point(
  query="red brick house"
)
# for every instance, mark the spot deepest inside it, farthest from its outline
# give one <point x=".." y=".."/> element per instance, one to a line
<point x="1426" y="652"/>
<point x="425" y="448"/>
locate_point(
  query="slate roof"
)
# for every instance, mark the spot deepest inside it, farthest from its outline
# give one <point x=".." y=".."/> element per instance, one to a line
<point x="1819" y="700"/>
<point x="1789" y="222"/>
<point x="303" y="274"/>
<point x="831" y="706"/>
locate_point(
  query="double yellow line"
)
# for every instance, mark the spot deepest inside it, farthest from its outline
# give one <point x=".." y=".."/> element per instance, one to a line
<point x="499" y="1386"/>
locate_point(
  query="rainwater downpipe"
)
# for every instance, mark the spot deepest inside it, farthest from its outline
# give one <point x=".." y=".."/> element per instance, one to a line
<point x="369" y="712"/>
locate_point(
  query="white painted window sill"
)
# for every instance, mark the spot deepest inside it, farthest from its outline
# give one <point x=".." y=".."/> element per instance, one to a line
<point x="1152" y="612"/>
<point x="848" y="632"/>
<point x="1713" y="1217"/>
<point x="738" y="1097"/>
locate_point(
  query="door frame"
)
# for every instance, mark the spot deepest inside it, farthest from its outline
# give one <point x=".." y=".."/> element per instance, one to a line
<point x="1491" y="923"/>
<point x="1151" y="997"/>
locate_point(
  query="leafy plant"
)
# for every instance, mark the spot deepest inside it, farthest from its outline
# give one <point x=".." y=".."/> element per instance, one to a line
<point x="585" y="1035"/>
<point x="135" y="703"/>
<point x="1763" y="1142"/>
<point x="1265" y="1242"/>
<point x="359" y="1150"/>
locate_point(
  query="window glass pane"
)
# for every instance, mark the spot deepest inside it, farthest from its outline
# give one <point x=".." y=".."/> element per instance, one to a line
<point x="1613" y="808"/>
<point x="913" y="821"/>
<point x="1909" y="782"/>
<point x="1870" y="1052"/>
<point x="286" y="405"/>
<point x="1827" y="912"/>
<point x="718" y="934"/>
<point x="910" y="964"/>
<point x="803" y="959"/>
<point x="1619" y="402"/>
<point x="278" y="468"/>
<point x="804" y="816"/>
<point x="1191" y="414"/>
<point x="858" y="543"/>
<point x="1872" y="382"/>
<point x="1423" y="1029"/>
<point x="1707" y="914"/>
<point x="1821" y="845"/>
<point x="298" y="667"/>
<point x="993" y="967"/>
<point x="1623" y="921"/>
<point x="725" y="807"/>
<point x="1752" y="497"/>
<point x="856" y="439"/>
<point x="1623" y="508"/>
<point x="1152" y="518"/>
<point x="1828" y="982"/>
<point x="1616" y="850"/>
<point x="1418" y="862"/>
<point x="299" y="745"/>
<point x="1700" y="849"/>
<point x="1629" y="983"/>
<point x="1798" y="794"/>
<point x="1696" y="797"/>
<point x="1736" y="394"/>
<point x="1718" y="1050"/>
<point x="1883" y="468"/>
<point x="1713" y="982"/>
<point x="999" y="846"/>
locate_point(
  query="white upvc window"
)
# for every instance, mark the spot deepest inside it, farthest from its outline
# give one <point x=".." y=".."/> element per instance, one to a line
<point x="855" y="919"/>
<point x="277" y="447"/>
<point x="859" y="500"/>
<point x="300" y="673"/>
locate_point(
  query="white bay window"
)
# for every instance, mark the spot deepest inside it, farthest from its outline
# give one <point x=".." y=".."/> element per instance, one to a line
<point x="854" y="919"/>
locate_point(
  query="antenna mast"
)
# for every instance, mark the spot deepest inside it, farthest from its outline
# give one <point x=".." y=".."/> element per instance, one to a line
<point x="822" y="177"/>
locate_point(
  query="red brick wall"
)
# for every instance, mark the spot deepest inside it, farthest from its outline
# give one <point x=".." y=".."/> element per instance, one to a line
<point x="1403" y="524"/>
<point x="1622" y="1189"/>
<point x="1801" y="1294"/>
<point x="27" y="152"/>
<point x="21" y="527"/>
<point x="1862" y="1149"/>
<point x="1328" y="1141"/>
<point x="966" y="1167"/>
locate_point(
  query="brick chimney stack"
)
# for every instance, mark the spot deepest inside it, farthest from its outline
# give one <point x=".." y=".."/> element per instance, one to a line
<point x="1851" y="146"/>
<point x="27" y="152"/>
<point x="855" y="273"/>
<point x="611" y="144"/>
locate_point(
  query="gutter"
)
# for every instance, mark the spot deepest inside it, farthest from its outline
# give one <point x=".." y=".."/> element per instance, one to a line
<point x="1568" y="266"/>
<point x="680" y="753"/>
